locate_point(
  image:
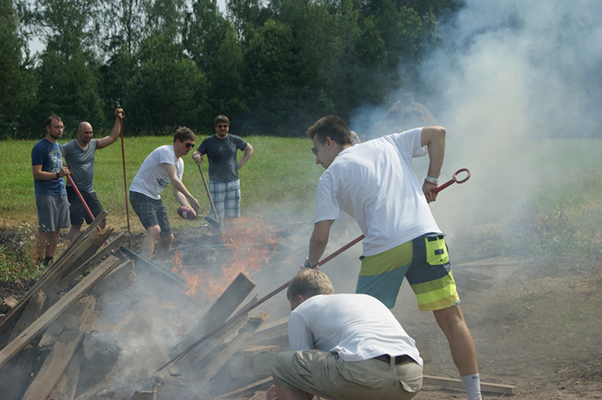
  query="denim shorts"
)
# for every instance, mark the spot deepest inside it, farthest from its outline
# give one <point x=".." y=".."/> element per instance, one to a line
<point x="151" y="212"/>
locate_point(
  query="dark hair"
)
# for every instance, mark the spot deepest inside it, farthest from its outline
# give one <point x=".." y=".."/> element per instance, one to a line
<point x="53" y="118"/>
<point x="333" y="127"/>
<point x="221" y="118"/>
<point x="308" y="283"/>
<point x="183" y="133"/>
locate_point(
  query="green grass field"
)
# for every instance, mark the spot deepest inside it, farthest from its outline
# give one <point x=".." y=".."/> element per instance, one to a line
<point x="281" y="172"/>
<point x="560" y="218"/>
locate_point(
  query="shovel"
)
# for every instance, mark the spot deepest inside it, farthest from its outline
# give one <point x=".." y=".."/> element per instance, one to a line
<point x="215" y="222"/>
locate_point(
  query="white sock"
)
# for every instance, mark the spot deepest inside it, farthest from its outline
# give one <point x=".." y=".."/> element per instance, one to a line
<point x="472" y="384"/>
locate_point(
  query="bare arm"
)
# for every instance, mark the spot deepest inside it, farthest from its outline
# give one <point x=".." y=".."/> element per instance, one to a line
<point x="433" y="137"/>
<point x="48" y="176"/>
<point x="319" y="240"/>
<point x="179" y="190"/>
<point x="115" y="132"/>
<point x="248" y="153"/>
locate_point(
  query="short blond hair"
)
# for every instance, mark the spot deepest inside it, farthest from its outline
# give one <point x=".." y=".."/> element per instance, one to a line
<point x="309" y="282"/>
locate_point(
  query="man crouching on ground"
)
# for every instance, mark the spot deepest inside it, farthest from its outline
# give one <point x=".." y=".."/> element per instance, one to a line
<point x="344" y="346"/>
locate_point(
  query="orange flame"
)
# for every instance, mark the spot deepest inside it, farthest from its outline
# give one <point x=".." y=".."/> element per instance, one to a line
<point x="251" y="243"/>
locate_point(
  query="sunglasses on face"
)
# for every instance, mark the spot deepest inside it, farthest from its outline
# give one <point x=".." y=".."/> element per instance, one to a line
<point x="189" y="145"/>
<point x="314" y="150"/>
<point x="222" y="126"/>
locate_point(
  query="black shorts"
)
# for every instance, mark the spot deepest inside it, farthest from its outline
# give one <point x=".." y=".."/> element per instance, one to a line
<point x="151" y="212"/>
<point x="77" y="211"/>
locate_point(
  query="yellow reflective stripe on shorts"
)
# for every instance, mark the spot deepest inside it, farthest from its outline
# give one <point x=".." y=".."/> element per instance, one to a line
<point x="436" y="295"/>
<point x="387" y="261"/>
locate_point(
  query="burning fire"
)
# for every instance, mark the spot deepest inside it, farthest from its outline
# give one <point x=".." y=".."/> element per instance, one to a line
<point x="251" y="244"/>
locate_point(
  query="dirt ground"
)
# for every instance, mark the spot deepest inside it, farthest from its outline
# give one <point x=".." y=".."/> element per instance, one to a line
<point x="536" y="325"/>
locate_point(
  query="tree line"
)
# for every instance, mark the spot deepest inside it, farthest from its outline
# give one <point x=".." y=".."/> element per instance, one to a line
<point x="273" y="67"/>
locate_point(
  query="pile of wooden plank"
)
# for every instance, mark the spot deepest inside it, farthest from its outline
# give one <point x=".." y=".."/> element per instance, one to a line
<point x="102" y="320"/>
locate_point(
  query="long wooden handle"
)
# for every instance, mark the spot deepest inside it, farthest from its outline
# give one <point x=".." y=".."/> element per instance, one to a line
<point x="208" y="193"/>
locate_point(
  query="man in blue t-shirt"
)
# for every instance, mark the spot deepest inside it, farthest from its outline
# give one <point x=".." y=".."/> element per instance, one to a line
<point x="51" y="196"/>
<point x="224" y="184"/>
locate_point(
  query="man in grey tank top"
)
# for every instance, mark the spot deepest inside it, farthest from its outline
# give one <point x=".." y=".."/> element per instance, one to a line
<point x="79" y="156"/>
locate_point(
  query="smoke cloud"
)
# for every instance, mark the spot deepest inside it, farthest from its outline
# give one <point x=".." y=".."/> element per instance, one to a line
<point x="509" y="77"/>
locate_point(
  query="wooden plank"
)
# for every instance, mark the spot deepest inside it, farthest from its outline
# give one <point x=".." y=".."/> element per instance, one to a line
<point x="198" y="354"/>
<point x="121" y="278"/>
<point x="218" y="362"/>
<point x="223" y="307"/>
<point x="104" y="251"/>
<point x="138" y="259"/>
<point x="217" y="340"/>
<point x="253" y="350"/>
<point x="31" y="312"/>
<point x="70" y="319"/>
<point x="124" y="321"/>
<point x="15" y="376"/>
<point x="263" y="383"/>
<point x="67" y="384"/>
<point x="93" y="392"/>
<point x="81" y="254"/>
<point x="57" y="309"/>
<point x="91" y="229"/>
<point x="237" y="289"/>
<point x="457" y="383"/>
<point x="274" y="325"/>
<point x="53" y="275"/>
<point x="56" y="362"/>
<point x="271" y="333"/>
<point x="145" y="395"/>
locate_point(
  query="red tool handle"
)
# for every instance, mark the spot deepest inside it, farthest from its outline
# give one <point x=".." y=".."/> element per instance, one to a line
<point x="454" y="179"/>
<point x="125" y="181"/>
<point x="81" y="198"/>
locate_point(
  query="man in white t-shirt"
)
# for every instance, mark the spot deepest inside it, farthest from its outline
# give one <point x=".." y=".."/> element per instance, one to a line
<point x="374" y="183"/>
<point x="343" y="346"/>
<point x="162" y="166"/>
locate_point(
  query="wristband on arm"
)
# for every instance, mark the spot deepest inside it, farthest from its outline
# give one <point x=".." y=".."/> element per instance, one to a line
<point x="307" y="265"/>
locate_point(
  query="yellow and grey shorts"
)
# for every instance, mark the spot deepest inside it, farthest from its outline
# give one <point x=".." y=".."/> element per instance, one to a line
<point x="424" y="262"/>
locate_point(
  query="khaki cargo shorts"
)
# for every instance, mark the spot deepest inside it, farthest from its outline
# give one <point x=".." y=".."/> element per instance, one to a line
<point x="326" y="375"/>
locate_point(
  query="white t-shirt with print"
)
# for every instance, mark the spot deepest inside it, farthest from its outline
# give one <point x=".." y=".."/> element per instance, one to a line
<point x="152" y="177"/>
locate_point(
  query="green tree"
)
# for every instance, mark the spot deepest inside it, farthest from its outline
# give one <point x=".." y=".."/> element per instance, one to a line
<point x="68" y="87"/>
<point x="166" y="91"/>
<point x="211" y="41"/>
<point x="279" y="80"/>
<point x="16" y="92"/>
<point x="247" y="16"/>
<point x="67" y="74"/>
<point x="124" y="26"/>
<point x="165" y="18"/>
